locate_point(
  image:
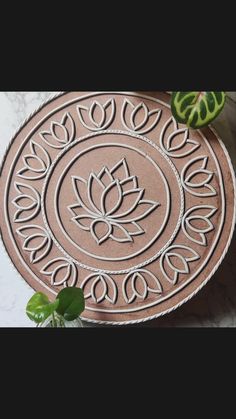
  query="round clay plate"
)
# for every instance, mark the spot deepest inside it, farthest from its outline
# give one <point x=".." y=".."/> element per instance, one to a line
<point x="105" y="191"/>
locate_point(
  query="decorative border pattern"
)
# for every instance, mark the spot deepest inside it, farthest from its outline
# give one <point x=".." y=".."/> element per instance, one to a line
<point x="178" y="224"/>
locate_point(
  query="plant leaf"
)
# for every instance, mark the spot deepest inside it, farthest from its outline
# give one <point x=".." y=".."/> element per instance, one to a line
<point x="71" y="303"/>
<point x="197" y="109"/>
<point x="39" y="308"/>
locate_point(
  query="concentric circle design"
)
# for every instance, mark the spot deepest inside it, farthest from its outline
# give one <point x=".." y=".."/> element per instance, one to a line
<point x="107" y="192"/>
<point x="159" y="191"/>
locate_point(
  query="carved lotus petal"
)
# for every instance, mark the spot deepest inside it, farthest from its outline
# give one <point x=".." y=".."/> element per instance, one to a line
<point x="97" y="116"/>
<point x="138" y="284"/>
<point x="175" y="141"/>
<point x="36" y="241"/>
<point x="197" y="181"/>
<point x="60" y="133"/>
<point x="100" y="287"/>
<point x="110" y="204"/>
<point x="196" y="223"/>
<point x="36" y="164"/>
<point x="175" y="261"/>
<point x="61" y="272"/>
<point x="138" y="118"/>
<point x="27" y="202"/>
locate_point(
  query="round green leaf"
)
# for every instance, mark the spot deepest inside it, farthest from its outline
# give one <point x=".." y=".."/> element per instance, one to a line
<point x="71" y="303"/>
<point x="197" y="109"/>
<point x="39" y="308"/>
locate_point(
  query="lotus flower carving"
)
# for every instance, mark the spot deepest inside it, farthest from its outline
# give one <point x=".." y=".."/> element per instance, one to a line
<point x="138" y="118"/>
<point x="60" y="133"/>
<point x="138" y="284"/>
<point x="100" y="287"/>
<point x="110" y="204"/>
<point x="97" y="116"/>
<point x="62" y="272"/>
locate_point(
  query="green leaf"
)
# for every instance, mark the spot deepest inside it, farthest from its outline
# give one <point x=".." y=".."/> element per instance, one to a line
<point x="71" y="303"/>
<point x="39" y="308"/>
<point x="197" y="109"/>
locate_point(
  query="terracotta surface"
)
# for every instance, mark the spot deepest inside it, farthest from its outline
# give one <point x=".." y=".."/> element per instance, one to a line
<point x="153" y="198"/>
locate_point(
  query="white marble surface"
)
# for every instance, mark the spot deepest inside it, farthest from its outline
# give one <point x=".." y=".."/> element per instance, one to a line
<point x="214" y="306"/>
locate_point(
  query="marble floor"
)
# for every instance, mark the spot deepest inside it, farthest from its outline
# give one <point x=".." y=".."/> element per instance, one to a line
<point x="214" y="306"/>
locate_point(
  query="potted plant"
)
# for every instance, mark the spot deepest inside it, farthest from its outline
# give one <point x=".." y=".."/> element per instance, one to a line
<point x="63" y="312"/>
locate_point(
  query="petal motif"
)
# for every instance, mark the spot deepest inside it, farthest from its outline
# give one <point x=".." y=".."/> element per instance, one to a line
<point x="104" y="232"/>
<point x="202" y="214"/>
<point x="177" y="259"/>
<point x="138" y="284"/>
<point x="100" y="287"/>
<point x="95" y="192"/>
<point x="120" y="234"/>
<point x="27" y="203"/>
<point x="60" y="133"/>
<point x="190" y="181"/>
<point x="138" y="118"/>
<point x="130" y="201"/>
<point x="37" y="242"/>
<point x="80" y="187"/>
<point x="129" y="184"/>
<point x="175" y="141"/>
<point x="139" y="211"/>
<point x="83" y="221"/>
<point x="62" y="272"/>
<point x="133" y="228"/>
<point x="111" y="198"/>
<point x="121" y="170"/>
<point x="105" y="176"/>
<point x="97" y="116"/>
<point x="36" y="164"/>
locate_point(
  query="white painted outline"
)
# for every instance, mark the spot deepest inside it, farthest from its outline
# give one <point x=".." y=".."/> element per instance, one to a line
<point x="105" y="280"/>
<point x="170" y="151"/>
<point x="138" y="129"/>
<point x="132" y="135"/>
<point x="101" y="214"/>
<point x="45" y="164"/>
<point x="103" y="123"/>
<point x="204" y="184"/>
<point x="202" y="233"/>
<point x="52" y="133"/>
<point x="133" y="276"/>
<point x="34" y="199"/>
<point x="46" y="242"/>
<point x="71" y="270"/>
<point x="165" y="257"/>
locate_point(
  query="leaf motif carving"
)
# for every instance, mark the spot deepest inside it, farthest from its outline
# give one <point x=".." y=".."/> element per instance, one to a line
<point x="97" y="116"/>
<point x="100" y="287"/>
<point x="138" y="284"/>
<point x="61" y="272"/>
<point x="177" y="259"/>
<point x="177" y="143"/>
<point x="202" y="214"/>
<point x="190" y="179"/>
<point x="147" y="119"/>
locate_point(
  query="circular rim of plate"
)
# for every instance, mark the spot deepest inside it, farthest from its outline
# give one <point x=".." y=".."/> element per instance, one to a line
<point x="51" y="98"/>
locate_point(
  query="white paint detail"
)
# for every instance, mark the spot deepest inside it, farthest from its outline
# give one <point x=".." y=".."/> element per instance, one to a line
<point x="106" y="119"/>
<point x="166" y="258"/>
<point x="144" y="276"/>
<point x="187" y="227"/>
<point x="54" y="266"/>
<point x="139" y="129"/>
<point x="190" y="186"/>
<point x="166" y="143"/>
